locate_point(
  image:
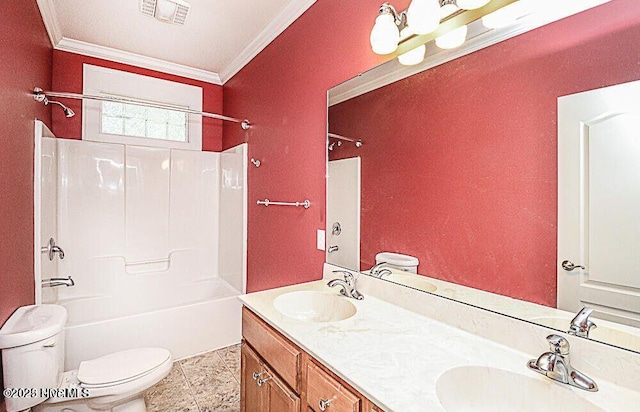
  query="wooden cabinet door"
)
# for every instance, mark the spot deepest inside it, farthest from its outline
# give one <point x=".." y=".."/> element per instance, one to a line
<point x="251" y="395"/>
<point x="261" y="390"/>
<point x="279" y="397"/>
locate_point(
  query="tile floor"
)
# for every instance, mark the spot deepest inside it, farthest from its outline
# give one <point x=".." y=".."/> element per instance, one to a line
<point x="203" y="383"/>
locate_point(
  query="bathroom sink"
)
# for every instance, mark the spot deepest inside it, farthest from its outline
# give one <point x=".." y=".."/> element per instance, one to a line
<point x="413" y="281"/>
<point x="600" y="333"/>
<point x="479" y="389"/>
<point x="312" y="306"/>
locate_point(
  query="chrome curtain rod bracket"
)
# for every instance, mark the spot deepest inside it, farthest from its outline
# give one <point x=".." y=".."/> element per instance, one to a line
<point x="41" y="96"/>
<point x="266" y="202"/>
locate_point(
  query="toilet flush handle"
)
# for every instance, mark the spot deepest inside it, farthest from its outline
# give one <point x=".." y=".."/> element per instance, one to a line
<point x="50" y="344"/>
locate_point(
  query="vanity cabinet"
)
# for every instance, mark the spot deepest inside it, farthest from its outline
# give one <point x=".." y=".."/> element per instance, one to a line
<point x="278" y="376"/>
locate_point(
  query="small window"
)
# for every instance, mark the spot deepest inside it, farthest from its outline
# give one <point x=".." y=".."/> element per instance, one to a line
<point x="120" y="122"/>
<point x="125" y="119"/>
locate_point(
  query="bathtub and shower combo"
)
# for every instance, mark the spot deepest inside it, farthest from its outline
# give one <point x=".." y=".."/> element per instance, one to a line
<point x="154" y="240"/>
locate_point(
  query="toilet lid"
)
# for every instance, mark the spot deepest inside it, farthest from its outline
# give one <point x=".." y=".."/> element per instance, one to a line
<point x="121" y="366"/>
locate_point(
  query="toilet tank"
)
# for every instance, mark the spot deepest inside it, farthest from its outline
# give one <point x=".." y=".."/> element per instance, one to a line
<point x="399" y="261"/>
<point x="32" y="343"/>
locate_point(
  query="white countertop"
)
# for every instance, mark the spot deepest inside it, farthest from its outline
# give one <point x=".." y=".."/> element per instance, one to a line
<point x="394" y="356"/>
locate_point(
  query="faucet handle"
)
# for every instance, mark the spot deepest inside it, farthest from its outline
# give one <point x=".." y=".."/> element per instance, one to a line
<point x="348" y="276"/>
<point x="581" y="325"/>
<point x="558" y="345"/>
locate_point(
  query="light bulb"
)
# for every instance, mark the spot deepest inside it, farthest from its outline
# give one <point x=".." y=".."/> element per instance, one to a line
<point x="504" y="16"/>
<point x="384" y="35"/>
<point x="448" y="8"/>
<point x="423" y="16"/>
<point x="452" y="39"/>
<point x="472" y="4"/>
<point x="413" y="56"/>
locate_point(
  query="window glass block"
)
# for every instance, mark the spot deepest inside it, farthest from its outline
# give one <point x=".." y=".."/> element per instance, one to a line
<point x="134" y="127"/>
<point x="112" y="125"/>
<point x="136" y="112"/>
<point x="177" y="133"/>
<point x="177" y="118"/>
<point x="156" y="130"/>
<point x="157" y="115"/>
<point x="112" y="109"/>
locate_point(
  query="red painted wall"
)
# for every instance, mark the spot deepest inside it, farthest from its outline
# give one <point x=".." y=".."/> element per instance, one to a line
<point x="67" y="77"/>
<point x="283" y="92"/>
<point x="497" y="227"/>
<point x="26" y="63"/>
<point x="459" y="162"/>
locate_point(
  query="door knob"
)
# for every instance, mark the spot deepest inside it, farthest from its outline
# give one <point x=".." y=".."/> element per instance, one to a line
<point x="569" y="266"/>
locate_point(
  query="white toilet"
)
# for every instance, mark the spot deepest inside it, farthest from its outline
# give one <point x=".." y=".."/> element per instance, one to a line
<point x="405" y="263"/>
<point x="32" y="343"/>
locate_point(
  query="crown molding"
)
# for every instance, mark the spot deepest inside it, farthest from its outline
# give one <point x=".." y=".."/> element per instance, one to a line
<point x="50" y="19"/>
<point x="119" y="56"/>
<point x="284" y="19"/>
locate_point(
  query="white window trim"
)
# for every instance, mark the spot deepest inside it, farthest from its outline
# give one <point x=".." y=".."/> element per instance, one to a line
<point x="101" y="80"/>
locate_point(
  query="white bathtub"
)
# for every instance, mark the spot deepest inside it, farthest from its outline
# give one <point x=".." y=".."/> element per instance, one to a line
<point x="186" y="330"/>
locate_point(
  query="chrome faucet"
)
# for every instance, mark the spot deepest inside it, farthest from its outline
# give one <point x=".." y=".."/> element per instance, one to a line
<point x="347" y="285"/>
<point x="51" y="249"/>
<point x="58" y="282"/>
<point x="581" y="325"/>
<point x="378" y="272"/>
<point x="555" y="365"/>
<point x="333" y="248"/>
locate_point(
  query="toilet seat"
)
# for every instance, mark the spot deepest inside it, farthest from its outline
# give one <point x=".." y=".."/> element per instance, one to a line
<point x="120" y="367"/>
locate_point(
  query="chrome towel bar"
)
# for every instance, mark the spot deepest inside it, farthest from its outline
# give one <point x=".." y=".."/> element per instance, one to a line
<point x="306" y="203"/>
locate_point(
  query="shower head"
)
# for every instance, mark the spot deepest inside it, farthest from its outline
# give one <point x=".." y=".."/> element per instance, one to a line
<point x="40" y="96"/>
<point x="67" y="112"/>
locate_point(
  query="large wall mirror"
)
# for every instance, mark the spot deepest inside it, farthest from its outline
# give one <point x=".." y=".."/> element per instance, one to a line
<point x="510" y="172"/>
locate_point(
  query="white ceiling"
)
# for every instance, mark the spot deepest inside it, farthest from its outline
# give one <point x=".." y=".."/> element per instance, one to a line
<point x="218" y="39"/>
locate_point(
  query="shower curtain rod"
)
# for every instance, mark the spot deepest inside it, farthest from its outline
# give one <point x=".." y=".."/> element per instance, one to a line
<point x="40" y="95"/>
<point x="339" y="137"/>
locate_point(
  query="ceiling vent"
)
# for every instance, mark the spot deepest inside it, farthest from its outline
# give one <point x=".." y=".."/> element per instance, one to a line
<point x="167" y="11"/>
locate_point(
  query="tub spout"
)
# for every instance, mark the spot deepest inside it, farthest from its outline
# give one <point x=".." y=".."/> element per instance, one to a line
<point x="53" y="282"/>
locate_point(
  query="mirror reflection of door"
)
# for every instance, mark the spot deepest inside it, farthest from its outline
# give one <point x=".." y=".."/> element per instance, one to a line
<point x="343" y="207"/>
<point x="599" y="202"/>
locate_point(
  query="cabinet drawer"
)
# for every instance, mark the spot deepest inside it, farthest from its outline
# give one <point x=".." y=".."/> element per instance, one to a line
<point x="324" y="389"/>
<point x="281" y="355"/>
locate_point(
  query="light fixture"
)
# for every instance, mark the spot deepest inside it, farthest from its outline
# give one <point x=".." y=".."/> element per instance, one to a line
<point x="167" y="11"/>
<point x="423" y="16"/>
<point x="448" y="7"/>
<point x="472" y="4"/>
<point x="413" y="56"/>
<point x="504" y="17"/>
<point x="452" y="39"/>
<point x="385" y="34"/>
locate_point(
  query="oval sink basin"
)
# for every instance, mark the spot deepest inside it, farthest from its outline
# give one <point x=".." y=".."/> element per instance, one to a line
<point x="600" y="333"/>
<point x="311" y="306"/>
<point x="479" y="389"/>
<point x="413" y="281"/>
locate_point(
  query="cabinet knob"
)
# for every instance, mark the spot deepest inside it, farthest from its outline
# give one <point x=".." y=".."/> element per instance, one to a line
<point x="256" y="375"/>
<point x="261" y="381"/>
<point x="324" y="404"/>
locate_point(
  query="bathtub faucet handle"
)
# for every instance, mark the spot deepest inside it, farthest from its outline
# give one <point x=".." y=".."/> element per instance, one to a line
<point x="49" y="283"/>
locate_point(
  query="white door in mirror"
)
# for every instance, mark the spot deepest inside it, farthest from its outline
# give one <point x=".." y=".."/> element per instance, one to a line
<point x="598" y="202"/>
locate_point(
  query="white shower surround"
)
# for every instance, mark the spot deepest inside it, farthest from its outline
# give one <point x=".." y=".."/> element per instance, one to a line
<point x="141" y="228"/>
